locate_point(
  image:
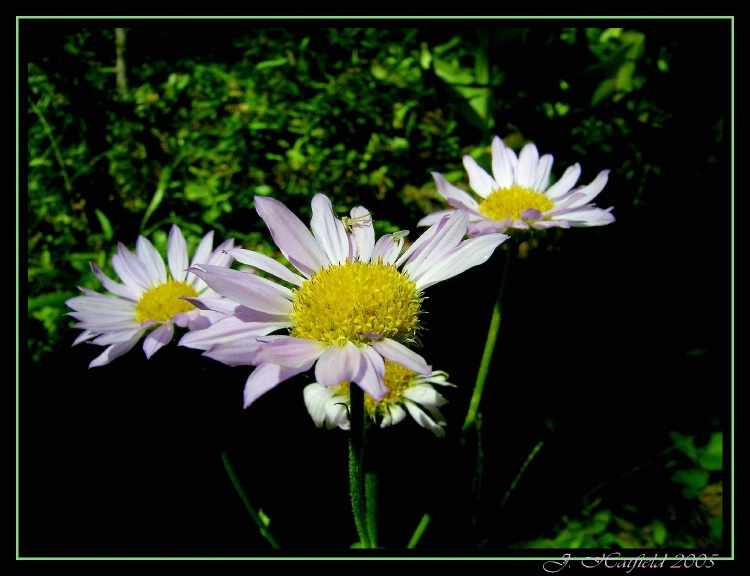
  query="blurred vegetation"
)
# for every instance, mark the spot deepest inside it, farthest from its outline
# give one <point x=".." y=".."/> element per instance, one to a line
<point x="132" y="129"/>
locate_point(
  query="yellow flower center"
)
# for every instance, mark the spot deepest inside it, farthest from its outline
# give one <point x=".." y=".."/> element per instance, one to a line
<point x="512" y="201"/>
<point x="347" y="302"/>
<point x="162" y="302"/>
<point x="397" y="378"/>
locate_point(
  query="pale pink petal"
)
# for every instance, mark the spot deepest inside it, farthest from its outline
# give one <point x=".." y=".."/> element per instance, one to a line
<point x="237" y="352"/>
<point x="339" y="364"/>
<point x="158" y="338"/>
<point x="265" y="263"/>
<point x="328" y="230"/>
<point x="372" y="380"/>
<point x="290" y="352"/>
<point x="226" y="330"/>
<point x="246" y="289"/>
<point x="439" y="245"/>
<point x="400" y="354"/>
<point x="114" y="351"/>
<point x="292" y="237"/>
<point x="265" y="377"/>
<point x="129" y="292"/>
<point x="435" y="217"/>
<point x="130" y="269"/>
<point x="470" y="253"/>
<point x="203" y="251"/>
<point x="387" y="248"/>
<point x="592" y="190"/>
<point x="451" y="192"/>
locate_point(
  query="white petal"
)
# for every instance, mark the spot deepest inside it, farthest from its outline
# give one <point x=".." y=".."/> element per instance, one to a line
<point x="566" y="183"/>
<point x="443" y="242"/>
<point x="479" y="181"/>
<point x="363" y="232"/>
<point x="528" y="160"/>
<point x="421" y="418"/>
<point x="503" y="164"/>
<point x="177" y="254"/>
<point x="543" y="172"/>
<point x="151" y="259"/>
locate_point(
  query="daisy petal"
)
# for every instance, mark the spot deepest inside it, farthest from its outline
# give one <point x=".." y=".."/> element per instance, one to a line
<point x="265" y="377"/>
<point x="479" y="181"/>
<point x="328" y="230"/>
<point x="158" y="338"/>
<point x="400" y="354"/>
<point x="295" y="241"/>
<point x="177" y="254"/>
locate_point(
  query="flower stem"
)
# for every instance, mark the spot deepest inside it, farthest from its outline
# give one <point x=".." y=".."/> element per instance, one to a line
<point x="265" y="532"/>
<point x="418" y="532"/>
<point x="489" y="347"/>
<point x="356" y="462"/>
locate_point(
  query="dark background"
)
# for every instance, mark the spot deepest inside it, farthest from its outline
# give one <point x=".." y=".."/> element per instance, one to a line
<point x="607" y="343"/>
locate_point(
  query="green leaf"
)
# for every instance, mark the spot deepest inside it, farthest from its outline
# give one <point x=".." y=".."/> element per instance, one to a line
<point x="691" y="478"/>
<point x="711" y="459"/>
<point x="104" y="223"/>
<point x="659" y="532"/>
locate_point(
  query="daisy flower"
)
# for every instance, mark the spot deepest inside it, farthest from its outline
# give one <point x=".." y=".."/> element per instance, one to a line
<point x="149" y="300"/>
<point x="328" y="406"/>
<point x="518" y="194"/>
<point x="352" y="304"/>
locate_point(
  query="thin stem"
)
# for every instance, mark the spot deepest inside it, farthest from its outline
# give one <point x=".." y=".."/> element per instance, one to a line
<point x="356" y="462"/>
<point x="418" y="532"/>
<point x="489" y="347"/>
<point x="529" y="458"/>
<point x="265" y="532"/>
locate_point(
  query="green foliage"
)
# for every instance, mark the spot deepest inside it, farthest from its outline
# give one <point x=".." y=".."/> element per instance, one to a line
<point x="625" y="523"/>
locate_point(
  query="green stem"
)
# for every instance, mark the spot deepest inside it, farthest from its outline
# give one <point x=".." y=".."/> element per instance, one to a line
<point x="356" y="462"/>
<point x="489" y="347"/>
<point x="371" y="507"/>
<point x="265" y="532"/>
<point x="418" y="532"/>
<point x="529" y="458"/>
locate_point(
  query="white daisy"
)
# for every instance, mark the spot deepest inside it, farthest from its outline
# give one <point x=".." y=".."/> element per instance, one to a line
<point x="354" y="303"/>
<point x="328" y="406"/>
<point x="150" y="300"/>
<point x="518" y="194"/>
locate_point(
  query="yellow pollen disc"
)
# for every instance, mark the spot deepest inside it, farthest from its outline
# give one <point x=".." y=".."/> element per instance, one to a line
<point x="347" y="302"/>
<point x="512" y="201"/>
<point x="162" y="302"/>
<point x="397" y="378"/>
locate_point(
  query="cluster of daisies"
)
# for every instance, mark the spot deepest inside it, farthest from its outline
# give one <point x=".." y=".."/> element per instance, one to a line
<point x="350" y="314"/>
